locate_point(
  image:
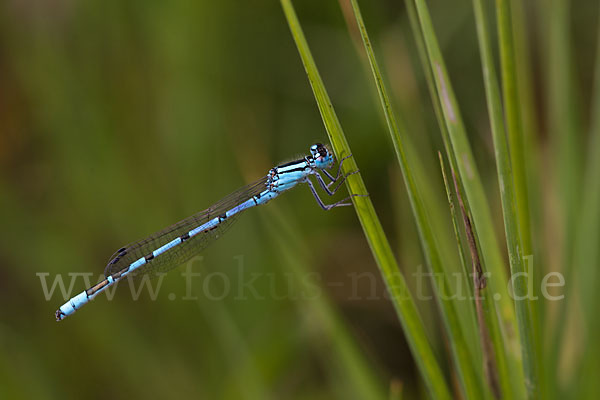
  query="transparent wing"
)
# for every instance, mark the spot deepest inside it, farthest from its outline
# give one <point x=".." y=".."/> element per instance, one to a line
<point x="179" y="254"/>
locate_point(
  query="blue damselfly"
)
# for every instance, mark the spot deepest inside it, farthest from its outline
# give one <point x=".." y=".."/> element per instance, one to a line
<point x="176" y="244"/>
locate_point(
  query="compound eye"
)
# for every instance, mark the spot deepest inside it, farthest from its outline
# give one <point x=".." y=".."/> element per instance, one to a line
<point x="323" y="152"/>
<point x="315" y="150"/>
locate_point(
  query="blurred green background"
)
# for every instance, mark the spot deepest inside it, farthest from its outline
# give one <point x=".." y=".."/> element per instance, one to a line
<point x="119" y="118"/>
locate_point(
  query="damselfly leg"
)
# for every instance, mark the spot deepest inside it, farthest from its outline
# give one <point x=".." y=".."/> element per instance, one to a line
<point x="328" y="207"/>
<point x="325" y="186"/>
<point x="339" y="172"/>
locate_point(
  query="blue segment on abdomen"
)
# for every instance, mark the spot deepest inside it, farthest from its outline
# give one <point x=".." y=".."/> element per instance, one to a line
<point x="204" y="227"/>
<point x="239" y="208"/>
<point x="166" y="247"/>
<point x="74" y="304"/>
<point x="136" y="264"/>
<point x="133" y="266"/>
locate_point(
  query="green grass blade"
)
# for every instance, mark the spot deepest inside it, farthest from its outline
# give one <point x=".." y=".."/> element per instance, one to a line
<point x="461" y="157"/>
<point x="413" y="19"/>
<point x="489" y="346"/>
<point x="512" y="178"/>
<point x="475" y="196"/>
<point x="506" y="342"/>
<point x="422" y="54"/>
<point x="514" y="126"/>
<point x="400" y="296"/>
<point x="506" y="178"/>
<point x="459" y="240"/>
<point x="531" y="168"/>
<point x="564" y="124"/>
<point x="565" y="138"/>
<point x="422" y="168"/>
<point x="479" y="285"/>
<point x="463" y="359"/>
<point x="587" y="253"/>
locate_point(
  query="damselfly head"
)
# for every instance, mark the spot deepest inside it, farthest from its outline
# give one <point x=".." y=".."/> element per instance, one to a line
<point x="322" y="156"/>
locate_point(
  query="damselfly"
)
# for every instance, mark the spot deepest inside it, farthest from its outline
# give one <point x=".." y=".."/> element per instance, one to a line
<point x="176" y="244"/>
